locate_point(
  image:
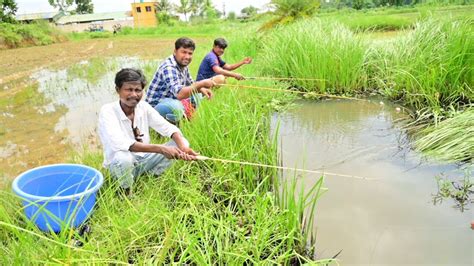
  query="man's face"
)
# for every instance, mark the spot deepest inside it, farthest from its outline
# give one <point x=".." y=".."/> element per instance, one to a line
<point x="130" y="93"/>
<point x="218" y="50"/>
<point x="183" y="56"/>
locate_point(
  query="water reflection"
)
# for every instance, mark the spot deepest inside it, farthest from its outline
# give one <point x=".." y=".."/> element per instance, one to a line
<point x="389" y="221"/>
<point x="39" y="124"/>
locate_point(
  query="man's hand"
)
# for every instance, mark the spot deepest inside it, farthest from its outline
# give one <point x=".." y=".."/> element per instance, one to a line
<point x="205" y="83"/>
<point x="206" y="92"/>
<point x="176" y="153"/>
<point x="238" y="76"/>
<point x="247" y="60"/>
<point x="189" y="151"/>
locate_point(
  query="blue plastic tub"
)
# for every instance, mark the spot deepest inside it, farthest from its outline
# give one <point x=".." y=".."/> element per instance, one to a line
<point x="58" y="196"/>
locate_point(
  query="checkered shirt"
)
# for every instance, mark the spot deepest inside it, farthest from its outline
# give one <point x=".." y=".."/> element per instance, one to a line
<point x="168" y="80"/>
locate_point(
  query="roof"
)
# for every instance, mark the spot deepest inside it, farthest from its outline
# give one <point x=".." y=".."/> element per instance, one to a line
<point x="36" y="16"/>
<point x="93" y="17"/>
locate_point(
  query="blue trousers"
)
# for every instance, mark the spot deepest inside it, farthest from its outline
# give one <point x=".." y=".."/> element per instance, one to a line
<point x="173" y="110"/>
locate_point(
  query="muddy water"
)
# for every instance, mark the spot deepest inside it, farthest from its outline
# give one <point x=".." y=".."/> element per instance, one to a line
<point x="45" y="121"/>
<point x="388" y="221"/>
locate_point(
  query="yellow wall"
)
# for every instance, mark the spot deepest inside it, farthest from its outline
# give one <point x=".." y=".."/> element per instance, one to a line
<point x="145" y="18"/>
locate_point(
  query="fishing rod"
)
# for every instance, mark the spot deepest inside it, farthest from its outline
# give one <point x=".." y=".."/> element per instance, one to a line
<point x="205" y="158"/>
<point x="292" y="91"/>
<point x="278" y="78"/>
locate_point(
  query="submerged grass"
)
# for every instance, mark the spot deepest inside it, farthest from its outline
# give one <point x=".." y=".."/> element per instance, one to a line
<point x="451" y="140"/>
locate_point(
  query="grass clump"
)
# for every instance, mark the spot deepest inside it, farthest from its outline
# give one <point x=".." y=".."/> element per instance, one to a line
<point x="23" y="35"/>
<point x="329" y="53"/>
<point x="450" y="140"/>
<point x="430" y="67"/>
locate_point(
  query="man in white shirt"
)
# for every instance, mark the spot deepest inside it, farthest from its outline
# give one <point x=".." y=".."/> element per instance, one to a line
<point x="124" y="133"/>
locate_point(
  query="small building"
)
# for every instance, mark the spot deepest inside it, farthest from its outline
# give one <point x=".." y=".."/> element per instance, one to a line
<point x="92" y="22"/>
<point x="144" y="14"/>
<point x="50" y="17"/>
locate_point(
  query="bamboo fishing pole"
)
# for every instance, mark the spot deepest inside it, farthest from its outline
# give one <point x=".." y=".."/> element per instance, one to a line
<point x="278" y="78"/>
<point x="292" y="91"/>
<point x="205" y="158"/>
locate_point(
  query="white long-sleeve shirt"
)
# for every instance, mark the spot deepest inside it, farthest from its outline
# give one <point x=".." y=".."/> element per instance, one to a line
<point x="115" y="128"/>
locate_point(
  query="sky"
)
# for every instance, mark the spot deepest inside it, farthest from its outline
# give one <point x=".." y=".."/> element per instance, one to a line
<point x="36" y="6"/>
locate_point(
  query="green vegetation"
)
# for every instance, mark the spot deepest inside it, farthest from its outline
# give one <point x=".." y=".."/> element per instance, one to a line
<point x="459" y="191"/>
<point x="451" y="140"/>
<point x="427" y="68"/>
<point x="8" y="9"/>
<point x="200" y="212"/>
<point x="388" y="19"/>
<point x="197" y="212"/>
<point x="174" y="30"/>
<point x="310" y="49"/>
<point x="211" y="212"/>
<point x="430" y="67"/>
<point x="22" y="35"/>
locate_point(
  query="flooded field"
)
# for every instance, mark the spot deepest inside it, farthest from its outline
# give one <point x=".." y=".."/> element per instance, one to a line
<point x="391" y="220"/>
<point x="45" y="121"/>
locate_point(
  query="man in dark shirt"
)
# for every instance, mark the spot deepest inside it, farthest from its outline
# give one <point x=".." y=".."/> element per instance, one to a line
<point x="213" y="64"/>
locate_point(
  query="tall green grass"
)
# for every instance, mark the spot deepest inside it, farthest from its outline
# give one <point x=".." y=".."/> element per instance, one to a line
<point x="451" y="140"/>
<point x="311" y="49"/>
<point x="430" y="67"/>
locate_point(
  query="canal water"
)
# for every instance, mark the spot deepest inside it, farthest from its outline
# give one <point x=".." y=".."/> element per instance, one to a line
<point x="390" y="218"/>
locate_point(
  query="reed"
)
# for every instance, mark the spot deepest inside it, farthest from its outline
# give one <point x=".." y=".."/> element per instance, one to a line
<point x="312" y="49"/>
<point x="430" y="67"/>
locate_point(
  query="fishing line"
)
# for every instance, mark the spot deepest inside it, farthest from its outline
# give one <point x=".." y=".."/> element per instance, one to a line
<point x="292" y="91"/>
<point x="205" y="158"/>
<point x="277" y="78"/>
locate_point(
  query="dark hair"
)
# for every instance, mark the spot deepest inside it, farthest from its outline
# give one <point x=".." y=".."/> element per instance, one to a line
<point x="129" y="75"/>
<point x="185" y="43"/>
<point x="221" y="42"/>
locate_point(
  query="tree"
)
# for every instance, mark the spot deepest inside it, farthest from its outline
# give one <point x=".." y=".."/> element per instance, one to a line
<point x="8" y="9"/>
<point x="63" y="5"/>
<point x="288" y="11"/>
<point x="195" y="7"/>
<point x="164" y="6"/>
<point x="249" y="11"/>
<point x="184" y="8"/>
<point x="163" y="14"/>
<point x="84" y="7"/>
<point x="231" y="15"/>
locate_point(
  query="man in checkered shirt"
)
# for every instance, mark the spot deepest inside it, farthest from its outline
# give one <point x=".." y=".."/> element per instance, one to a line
<point x="172" y="92"/>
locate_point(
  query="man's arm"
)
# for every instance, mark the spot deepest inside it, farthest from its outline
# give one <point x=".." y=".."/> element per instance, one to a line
<point x="169" y="152"/>
<point x="202" y="86"/>
<point x="219" y="70"/>
<point x="245" y="61"/>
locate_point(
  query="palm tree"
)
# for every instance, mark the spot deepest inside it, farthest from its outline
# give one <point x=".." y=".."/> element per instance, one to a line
<point x="289" y="10"/>
<point x="164" y="6"/>
<point x="184" y="8"/>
